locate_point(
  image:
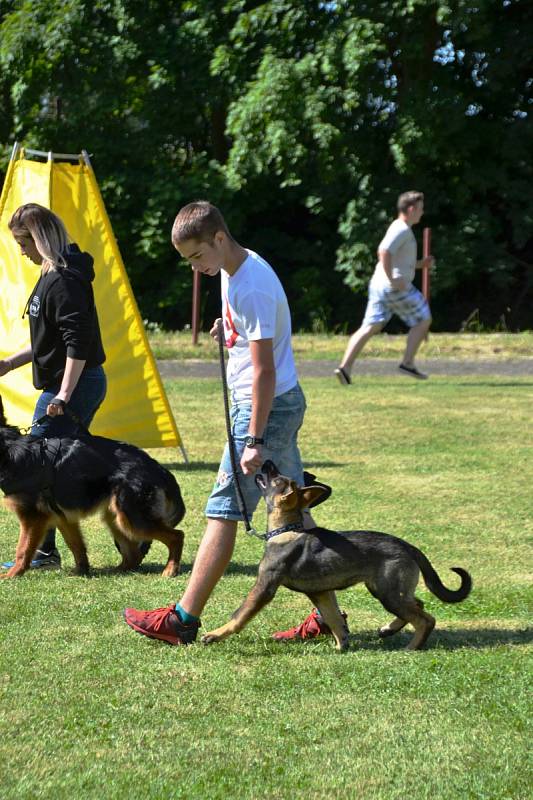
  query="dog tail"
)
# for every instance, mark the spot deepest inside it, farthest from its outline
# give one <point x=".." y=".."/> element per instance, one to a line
<point x="175" y="504"/>
<point x="434" y="583"/>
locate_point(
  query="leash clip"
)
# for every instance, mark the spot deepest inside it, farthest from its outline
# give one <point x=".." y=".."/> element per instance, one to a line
<point x="251" y="531"/>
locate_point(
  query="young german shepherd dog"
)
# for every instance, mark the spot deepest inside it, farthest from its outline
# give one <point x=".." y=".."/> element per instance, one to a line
<point x="319" y="561"/>
<point x="57" y="482"/>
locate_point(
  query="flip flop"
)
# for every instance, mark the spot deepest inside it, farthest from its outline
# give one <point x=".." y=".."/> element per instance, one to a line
<point x="343" y="376"/>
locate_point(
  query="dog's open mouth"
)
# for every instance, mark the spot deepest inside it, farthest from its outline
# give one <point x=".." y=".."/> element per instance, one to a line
<point x="268" y="470"/>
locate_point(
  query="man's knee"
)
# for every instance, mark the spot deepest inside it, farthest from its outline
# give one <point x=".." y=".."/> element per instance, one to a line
<point x="370" y="329"/>
<point x="423" y="325"/>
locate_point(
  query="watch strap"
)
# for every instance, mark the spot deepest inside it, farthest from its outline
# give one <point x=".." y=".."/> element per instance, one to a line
<point x="252" y="441"/>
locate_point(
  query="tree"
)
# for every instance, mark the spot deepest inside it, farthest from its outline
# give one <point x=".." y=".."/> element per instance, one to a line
<point x="303" y="121"/>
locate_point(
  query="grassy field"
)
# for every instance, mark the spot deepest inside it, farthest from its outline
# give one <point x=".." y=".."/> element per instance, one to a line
<point x="91" y="710"/>
<point x="178" y="344"/>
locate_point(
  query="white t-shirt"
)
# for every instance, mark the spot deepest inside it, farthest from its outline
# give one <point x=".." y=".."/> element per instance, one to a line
<point x="401" y="243"/>
<point x="254" y="306"/>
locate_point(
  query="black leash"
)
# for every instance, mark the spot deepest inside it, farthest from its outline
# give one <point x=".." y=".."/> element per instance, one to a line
<point x="74" y="417"/>
<point x="231" y="444"/>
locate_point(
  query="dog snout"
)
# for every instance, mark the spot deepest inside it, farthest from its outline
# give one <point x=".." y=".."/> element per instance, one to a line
<point x="270" y="469"/>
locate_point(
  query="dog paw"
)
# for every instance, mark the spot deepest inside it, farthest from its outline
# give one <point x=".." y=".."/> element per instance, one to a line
<point x="209" y="638"/>
<point x="343" y="646"/>
<point x="171" y="571"/>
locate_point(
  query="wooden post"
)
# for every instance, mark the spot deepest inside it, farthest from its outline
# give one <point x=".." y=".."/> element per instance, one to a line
<point x="426" y="251"/>
<point x="195" y="305"/>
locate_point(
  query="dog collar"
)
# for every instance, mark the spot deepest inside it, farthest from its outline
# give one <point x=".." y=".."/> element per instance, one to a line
<point x="297" y="527"/>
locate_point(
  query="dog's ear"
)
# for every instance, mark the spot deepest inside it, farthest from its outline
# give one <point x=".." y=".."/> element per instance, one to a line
<point x="289" y="500"/>
<point x="310" y="480"/>
<point x="311" y="496"/>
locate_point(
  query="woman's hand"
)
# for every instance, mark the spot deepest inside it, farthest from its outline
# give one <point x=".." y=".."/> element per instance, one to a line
<point x="56" y="408"/>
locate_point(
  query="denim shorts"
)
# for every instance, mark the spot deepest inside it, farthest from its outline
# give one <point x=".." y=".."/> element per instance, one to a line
<point x="409" y="304"/>
<point x="281" y="434"/>
<point x="86" y="398"/>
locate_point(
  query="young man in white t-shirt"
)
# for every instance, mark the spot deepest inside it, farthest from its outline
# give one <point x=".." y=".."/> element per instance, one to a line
<point x="391" y="290"/>
<point x="267" y="410"/>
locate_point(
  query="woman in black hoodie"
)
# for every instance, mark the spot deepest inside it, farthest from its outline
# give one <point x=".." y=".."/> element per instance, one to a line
<point x="66" y="349"/>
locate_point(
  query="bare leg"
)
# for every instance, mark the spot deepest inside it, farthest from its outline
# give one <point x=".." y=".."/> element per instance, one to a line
<point x="308" y="520"/>
<point x="357" y="342"/>
<point x="414" y="339"/>
<point x="212" y="559"/>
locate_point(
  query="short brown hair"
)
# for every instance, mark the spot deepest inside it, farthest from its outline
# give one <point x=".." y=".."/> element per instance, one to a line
<point x="199" y="220"/>
<point x="408" y="199"/>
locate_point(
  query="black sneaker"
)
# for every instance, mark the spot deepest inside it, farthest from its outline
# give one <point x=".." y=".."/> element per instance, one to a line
<point x="343" y="376"/>
<point x="41" y="561"/>
<point x="413" y="372"/>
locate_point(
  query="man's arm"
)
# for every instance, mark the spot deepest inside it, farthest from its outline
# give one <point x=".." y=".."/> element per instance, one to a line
<point x="263" y="386"/>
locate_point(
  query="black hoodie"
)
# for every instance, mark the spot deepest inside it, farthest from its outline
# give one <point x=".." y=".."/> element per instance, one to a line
<point x="63" y="319"/>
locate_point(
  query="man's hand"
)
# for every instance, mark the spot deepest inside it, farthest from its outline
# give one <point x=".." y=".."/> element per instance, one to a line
<point x="399" y="284"/>
<point x="214" y="330"/>
<point x="251" y="460"/>
<point x="428" y="262"/>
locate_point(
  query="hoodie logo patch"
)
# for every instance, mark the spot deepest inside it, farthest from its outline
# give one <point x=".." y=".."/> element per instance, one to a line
<point x="35" y="306"/>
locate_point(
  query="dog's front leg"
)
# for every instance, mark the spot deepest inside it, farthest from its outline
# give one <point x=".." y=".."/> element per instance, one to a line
<point x="326" y="602"/>
<point x="32" y="530"/>
<point x="261" y="594"/>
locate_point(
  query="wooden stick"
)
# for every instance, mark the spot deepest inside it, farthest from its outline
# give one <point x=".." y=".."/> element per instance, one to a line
<point x="426" y="251"/>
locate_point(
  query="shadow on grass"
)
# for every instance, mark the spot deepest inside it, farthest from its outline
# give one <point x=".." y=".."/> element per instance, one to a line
<point x="456" y="639"/>
<point x="155" y="568"/>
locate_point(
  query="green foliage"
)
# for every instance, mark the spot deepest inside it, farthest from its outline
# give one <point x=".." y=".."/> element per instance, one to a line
<point x="303" y="121"/>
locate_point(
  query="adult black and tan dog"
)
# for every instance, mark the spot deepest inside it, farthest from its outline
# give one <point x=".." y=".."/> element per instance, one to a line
<point x="57" y="482"/>
<point x="319" y="561"/>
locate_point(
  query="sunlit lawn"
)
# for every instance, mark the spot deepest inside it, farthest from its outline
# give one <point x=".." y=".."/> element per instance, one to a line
<point x="90" y="709"/>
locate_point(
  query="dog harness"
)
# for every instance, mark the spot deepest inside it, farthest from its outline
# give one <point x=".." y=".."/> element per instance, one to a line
<point x="41" y="475"/>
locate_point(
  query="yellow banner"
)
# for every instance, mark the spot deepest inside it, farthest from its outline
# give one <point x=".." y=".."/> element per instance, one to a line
<point x="136" y="407"/>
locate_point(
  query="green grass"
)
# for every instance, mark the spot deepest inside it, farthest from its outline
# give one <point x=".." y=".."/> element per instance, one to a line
<point x="89" y="709"/>
<point x="178" y="345"/>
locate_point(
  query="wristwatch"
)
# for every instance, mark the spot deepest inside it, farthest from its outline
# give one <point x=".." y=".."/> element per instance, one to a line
<point x="252" y="441"/>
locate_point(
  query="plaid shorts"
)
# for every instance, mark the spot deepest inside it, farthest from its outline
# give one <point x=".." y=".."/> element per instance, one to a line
<point x="409" y="304"/>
